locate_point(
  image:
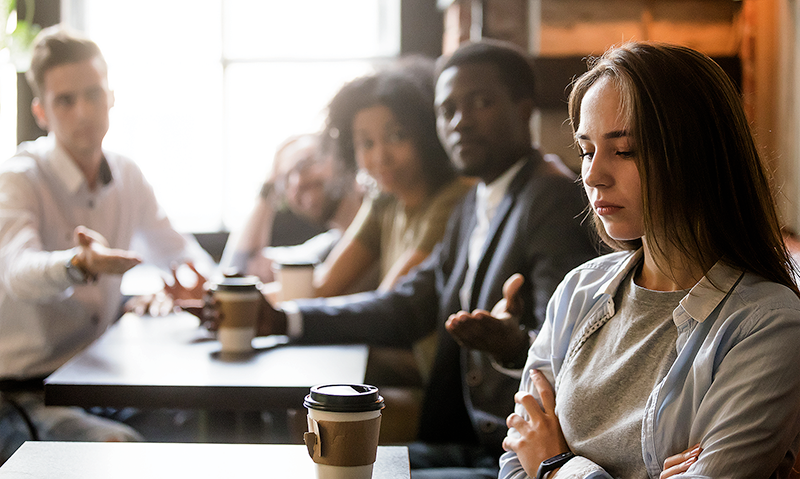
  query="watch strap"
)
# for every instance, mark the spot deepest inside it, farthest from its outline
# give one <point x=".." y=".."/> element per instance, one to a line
<point x="553" y="463"/>
<point x="78" y="273"/>
<point x="267" y="189"/>
<point x="75" y="273"/>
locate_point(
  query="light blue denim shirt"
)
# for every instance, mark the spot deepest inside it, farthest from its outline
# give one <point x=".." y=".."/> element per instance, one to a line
<point x="734" y="387"/>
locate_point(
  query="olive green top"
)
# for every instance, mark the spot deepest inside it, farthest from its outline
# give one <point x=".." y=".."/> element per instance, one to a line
<point x="388" y="229"/>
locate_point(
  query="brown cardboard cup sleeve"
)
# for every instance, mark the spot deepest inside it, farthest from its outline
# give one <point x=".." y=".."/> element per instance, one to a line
<point x="344" y="443"/>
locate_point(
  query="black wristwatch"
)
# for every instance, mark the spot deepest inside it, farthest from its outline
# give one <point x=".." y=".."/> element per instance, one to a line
<point x="553" y="463"/>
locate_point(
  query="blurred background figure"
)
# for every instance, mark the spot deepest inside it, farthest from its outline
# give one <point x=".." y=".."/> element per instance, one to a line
<point x="73" y="218"/>
<point x="384" y="124"/>
<point x="308" y="200"/>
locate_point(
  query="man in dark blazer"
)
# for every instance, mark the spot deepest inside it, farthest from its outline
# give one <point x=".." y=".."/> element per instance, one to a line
<point x="523" y="217"/>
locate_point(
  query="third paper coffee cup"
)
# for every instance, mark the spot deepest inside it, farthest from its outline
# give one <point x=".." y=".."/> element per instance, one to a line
<point x="344" y="422"/>
<point x="296" y="279"/>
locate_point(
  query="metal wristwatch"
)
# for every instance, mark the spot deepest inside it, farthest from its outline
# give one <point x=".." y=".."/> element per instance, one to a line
<point x="76" y="274"/>
<point x="553" y="463"/>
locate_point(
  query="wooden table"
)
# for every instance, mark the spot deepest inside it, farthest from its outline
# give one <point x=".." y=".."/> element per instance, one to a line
<point x="83" y="460"/>
<point x="171" y="362"/>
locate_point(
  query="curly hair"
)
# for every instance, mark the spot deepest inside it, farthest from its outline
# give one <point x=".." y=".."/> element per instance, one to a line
<point x="406" y="88"/>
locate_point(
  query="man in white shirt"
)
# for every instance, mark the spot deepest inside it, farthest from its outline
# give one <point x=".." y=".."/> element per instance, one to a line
<point x="71" y="215"/>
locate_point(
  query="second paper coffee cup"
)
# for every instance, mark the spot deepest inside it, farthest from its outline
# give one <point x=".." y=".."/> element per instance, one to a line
<point x="344" y="422"/>
<point x="238" y="299"/>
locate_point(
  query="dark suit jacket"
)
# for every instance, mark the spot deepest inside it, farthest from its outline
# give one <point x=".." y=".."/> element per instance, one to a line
<point x="536" y="232"/>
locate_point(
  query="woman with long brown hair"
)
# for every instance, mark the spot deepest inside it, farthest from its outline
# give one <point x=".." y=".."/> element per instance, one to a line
<point x="676" y="355"/>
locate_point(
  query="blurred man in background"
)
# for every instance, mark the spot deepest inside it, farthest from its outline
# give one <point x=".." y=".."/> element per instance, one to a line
<point x="304" y="206"/>
<point x="71" y="216"/>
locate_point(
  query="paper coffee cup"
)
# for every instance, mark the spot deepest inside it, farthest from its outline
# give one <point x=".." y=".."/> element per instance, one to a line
<point x="237" y="299"/>
<point x="296" y="279"/>
<point x="344" y="422"/>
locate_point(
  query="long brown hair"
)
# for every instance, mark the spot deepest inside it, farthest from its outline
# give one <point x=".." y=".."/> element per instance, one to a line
<point x="705" y="189"/>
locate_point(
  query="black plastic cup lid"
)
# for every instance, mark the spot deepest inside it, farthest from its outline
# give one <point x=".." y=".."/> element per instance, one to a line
<point x="293" y="264"/>
<point x="237" y="283"/>
<point x="344" y="398"/>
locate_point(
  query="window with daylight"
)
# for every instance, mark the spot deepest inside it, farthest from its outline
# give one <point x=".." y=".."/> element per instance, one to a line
<point x="207" y="89"/>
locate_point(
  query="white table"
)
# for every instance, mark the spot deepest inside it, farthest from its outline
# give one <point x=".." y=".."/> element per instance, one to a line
<point x="82" y="460"/>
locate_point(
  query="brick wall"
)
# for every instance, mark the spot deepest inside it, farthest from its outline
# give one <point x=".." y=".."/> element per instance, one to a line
<point x="572" y="29"/>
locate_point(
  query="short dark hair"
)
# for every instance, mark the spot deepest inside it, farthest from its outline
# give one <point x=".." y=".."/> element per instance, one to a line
<point x="406" y="88"/>
<point x="705" y="190"/>
<point x="514" y="66"/>
<point x="55" y="46"/>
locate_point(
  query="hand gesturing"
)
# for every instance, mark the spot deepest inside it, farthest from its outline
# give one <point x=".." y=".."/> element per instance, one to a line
<point x="498" y="332"/>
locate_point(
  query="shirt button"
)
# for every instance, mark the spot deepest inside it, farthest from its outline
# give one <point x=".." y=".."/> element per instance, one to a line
<point x="488" y="427"/>
<point x="474" y="378"/>
<point x="649" y="457"/>
<point x="95" y="319"/>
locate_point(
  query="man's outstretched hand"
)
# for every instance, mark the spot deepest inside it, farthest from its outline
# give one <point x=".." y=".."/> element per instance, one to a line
<point x="496" y="332"/>
<point x="94" y="256"/>
<point x="166" y="300"/>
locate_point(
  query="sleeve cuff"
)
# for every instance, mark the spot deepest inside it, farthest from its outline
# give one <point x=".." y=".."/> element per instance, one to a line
<point x="580" y="468"/>
<point x="57" y="269"/>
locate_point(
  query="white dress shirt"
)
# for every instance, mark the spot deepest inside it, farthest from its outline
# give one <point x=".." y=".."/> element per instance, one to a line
<point x="44" y="319"/>
<point x="487" y="199"/>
